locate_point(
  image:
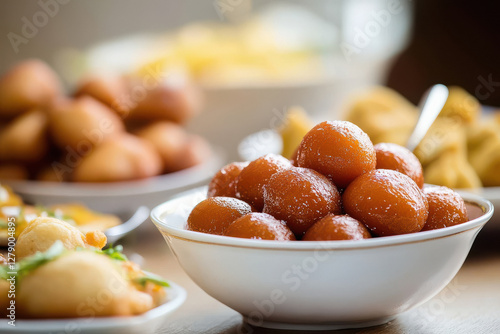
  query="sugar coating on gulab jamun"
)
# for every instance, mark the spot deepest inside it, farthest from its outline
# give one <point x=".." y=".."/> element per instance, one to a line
<point x="215" y="214"/>
<point x="339" y="150"/>
<point x="300" y="196"/>
<point x="387" y="202"/>
<point x="250" y="182"/>
<point x="224" y="181"/>
<point x="446" y="208"/>
<point x="258" y="225"/>
<point x="401" y="159"/>
<point x="337" y="227"/>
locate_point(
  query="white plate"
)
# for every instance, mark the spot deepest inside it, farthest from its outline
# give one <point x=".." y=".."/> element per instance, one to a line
<point x="144" y="323"/>
<point x="119" y="197"/>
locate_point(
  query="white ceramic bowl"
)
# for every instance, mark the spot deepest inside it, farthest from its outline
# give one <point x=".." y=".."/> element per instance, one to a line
<point x="119" y="197"/>
<point x="319" y="285"/>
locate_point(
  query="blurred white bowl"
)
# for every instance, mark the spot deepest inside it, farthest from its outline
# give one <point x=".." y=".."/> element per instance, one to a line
<point x="319" y="285"/>
<point x="119" y="197"/>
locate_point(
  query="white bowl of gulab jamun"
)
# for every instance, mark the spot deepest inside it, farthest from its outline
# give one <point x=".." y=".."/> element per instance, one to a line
<point x="344" y="235"/>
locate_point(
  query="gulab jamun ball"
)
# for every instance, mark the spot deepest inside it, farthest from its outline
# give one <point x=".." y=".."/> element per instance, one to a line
<point x="258" y="225"/>
<point x="387" y="202"/>
<point x="250" y="182"/>
<point x="339" y="150"/>
<point x="333" y="227"/>
<point x="300" y="196"/>
<point x="446" y="208"/>
<point x="224" y="181"/>
<point x="401" y="159"/>
<point x="215" y="214"/>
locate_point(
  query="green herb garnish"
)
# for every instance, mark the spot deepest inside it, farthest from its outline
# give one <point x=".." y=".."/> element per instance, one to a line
<point x="151" y="278"/>
<point x="114" y="252"/>
<point x="4" y="223"/>
<point x="31" y="263"/>
<point x="3" y="272"/>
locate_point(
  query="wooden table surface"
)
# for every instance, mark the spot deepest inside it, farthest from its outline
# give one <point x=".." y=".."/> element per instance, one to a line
<point x="469" y="304"/>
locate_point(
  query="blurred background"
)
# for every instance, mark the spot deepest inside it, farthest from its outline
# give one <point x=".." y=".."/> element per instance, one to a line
<point x="254" y="59"/>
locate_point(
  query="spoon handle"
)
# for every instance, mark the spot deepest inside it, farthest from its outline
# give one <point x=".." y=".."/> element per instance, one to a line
<point x="432" y="104"/>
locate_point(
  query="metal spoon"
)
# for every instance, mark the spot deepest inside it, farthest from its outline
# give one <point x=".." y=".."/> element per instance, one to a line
<point x="431" y="103"/>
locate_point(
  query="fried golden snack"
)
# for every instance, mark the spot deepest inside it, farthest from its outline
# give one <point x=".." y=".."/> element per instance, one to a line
<point x="462" y="105"/>
<point x="384" y="115"/>
<point x="121" y="158"/>
<point x="486" y="161"/>
<point x="83" y="123"/>
<point x="110" y="90"/>
<point x="74" y="283"/>
<point x="446" y="134"/>
<point x="451" y="169"/>
<point x="50" y="174"/>
<point x="29" y="84"/>
<point x="25" y="138"/>
<point x="172" y="102"/>
<point x="169" y="139"/>
<point x="13" y="172"/>
<point x="42" y="232"/>
<point x="294" y="128"/>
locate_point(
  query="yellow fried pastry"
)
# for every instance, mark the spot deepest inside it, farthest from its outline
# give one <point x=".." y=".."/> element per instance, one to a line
<point x="80" y="284"/>
<point x="445" y="134"/>
<point x="42" y="232"/>
<point x="121" y="158"/>
<point x="462" y="105"/>
<point x="62" y="283"/>
<point x="25" y="138"/>
<point x="293" y="129"/>
<point x="29" y="84"/>
<point x="384" y="115"/>
<point x="83" y="123"/>
<point x="451" y="169"/>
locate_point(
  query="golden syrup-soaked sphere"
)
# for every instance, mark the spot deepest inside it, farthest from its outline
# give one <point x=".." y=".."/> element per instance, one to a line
<point x="446" y="208"/>
<point x="332" y="227"/>
<point x="224" y="181"/>
<point x="215" y="214"/>
<point x="258" y="225"/>
<point x="401" y="159"/>
<point x="339" y="150"/>
<point x="250" y="182"/>
<point x="387" y="202"/>
<point x="300" y="196"/>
